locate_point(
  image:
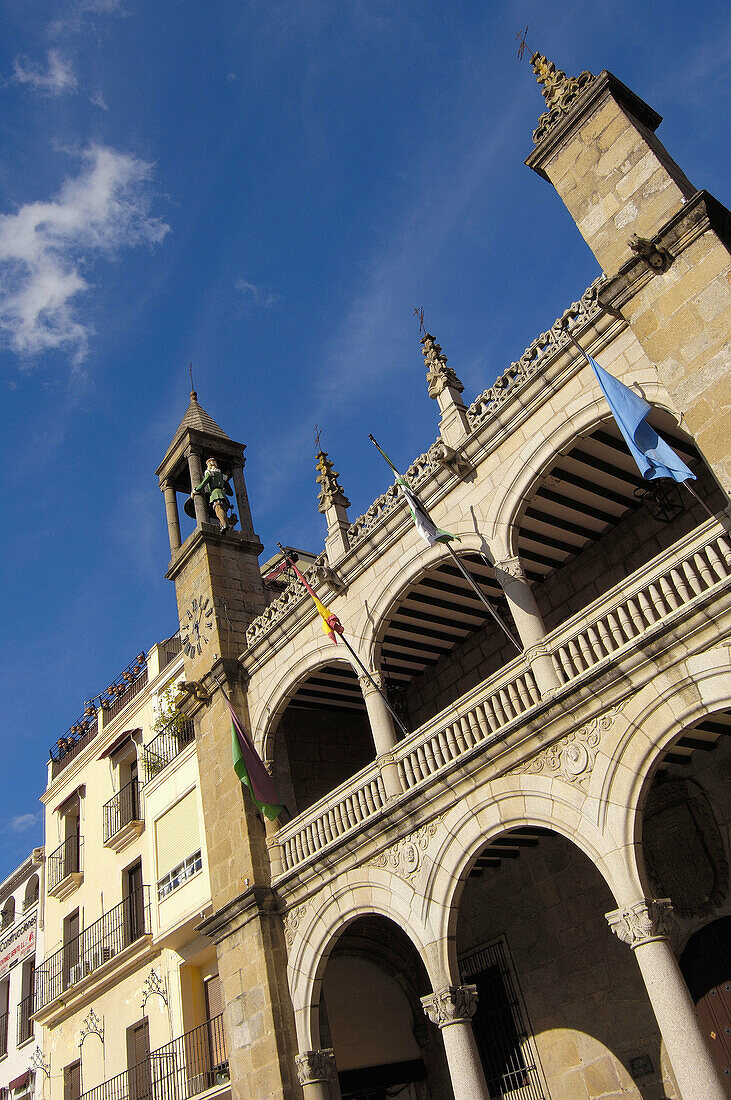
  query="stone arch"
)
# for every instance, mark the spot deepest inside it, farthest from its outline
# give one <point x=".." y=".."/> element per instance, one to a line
<point x="472" y="824"/>
<point x="318" y="928"/>
<point x="416" y="562"/>
<point x="670" y="704"/>
<point x="583" y="414"/>
<point x="266" y="717"/>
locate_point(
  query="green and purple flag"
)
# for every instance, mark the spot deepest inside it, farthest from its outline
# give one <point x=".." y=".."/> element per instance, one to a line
<point x="250" y="769"/>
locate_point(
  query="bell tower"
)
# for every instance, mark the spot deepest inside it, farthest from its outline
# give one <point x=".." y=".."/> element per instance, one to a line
<point x="219" y="590"/>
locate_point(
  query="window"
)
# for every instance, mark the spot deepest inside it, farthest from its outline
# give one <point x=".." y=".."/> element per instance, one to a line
<point x="500" y="1024"/>
<point x="7" y="915"/>
<point x="31" y="893"/>
<point x="72" y="1081"/>
<point x="180" y="874"/>
<point x="178" y="844"/>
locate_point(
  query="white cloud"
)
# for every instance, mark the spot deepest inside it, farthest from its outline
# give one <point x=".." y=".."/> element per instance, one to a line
<point x="45" y="246"/>
<point x="57" y="79"/>
<point x="22" y="822"/>
<point x="77" y="11"/>
<point x="260" y="296"/>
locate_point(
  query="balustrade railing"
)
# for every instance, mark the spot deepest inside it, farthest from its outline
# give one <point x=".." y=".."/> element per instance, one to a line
<point x="121" y="701"/>
<point x="122" y="808"/>
<point x="661" y="590"/>
<point x="183" y="1068"/>
<point x="101" y="941"/>
<point x="26" y="1008"/>
<point x="64" y="861"/>
<point x="665" y="589"/>
<point x="163" y="749"/>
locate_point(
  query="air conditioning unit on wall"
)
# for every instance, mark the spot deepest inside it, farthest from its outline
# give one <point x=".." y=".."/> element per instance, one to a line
<point x="76" y="973"/>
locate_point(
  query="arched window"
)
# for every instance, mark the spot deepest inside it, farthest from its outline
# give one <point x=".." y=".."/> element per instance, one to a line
<point x="7" y="914"/>
<point x="31" y="892"/>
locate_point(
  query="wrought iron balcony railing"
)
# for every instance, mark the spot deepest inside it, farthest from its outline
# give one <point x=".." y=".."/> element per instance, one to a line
<point x="657" y="597"/>
<point x="65" y="861"/>
<point x="163" y="749"/>
<point x="183" y="1068"/>
<point x="121" y="809"/>
<point x="26" y="1008"/>
<point x="92" y="948"/>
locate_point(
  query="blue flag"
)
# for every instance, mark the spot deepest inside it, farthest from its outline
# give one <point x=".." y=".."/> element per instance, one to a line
<point x="654" y="457"/>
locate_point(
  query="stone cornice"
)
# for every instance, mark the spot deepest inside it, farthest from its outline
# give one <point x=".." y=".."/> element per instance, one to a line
<point x="603" y="86"/>
<point x="695" y="217"/>
<point x="255" y="902"/>
<point x="209" y="533"/>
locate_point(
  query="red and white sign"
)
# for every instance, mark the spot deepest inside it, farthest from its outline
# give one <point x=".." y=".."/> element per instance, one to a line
<point x="20" y="942"/>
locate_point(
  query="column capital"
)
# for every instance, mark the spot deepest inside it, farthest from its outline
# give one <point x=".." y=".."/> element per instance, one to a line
<point x="315" y="1065"/>
<point x="646" y="921"/>
<point x="510" y="567"/>
<point x="456" y="1004"/>
<point x="367" y="687"/>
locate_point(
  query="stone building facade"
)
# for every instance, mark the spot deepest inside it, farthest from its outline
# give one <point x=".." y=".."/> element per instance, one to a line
<point x="525" y="894"/>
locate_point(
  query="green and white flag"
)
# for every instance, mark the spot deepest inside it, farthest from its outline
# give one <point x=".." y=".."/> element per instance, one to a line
<point x="422" y="520"/>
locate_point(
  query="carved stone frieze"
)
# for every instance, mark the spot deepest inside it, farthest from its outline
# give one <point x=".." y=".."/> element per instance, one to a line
<point x="558" y="90"/>
<point x="545" y="345"/>
<point x="643" y="922"/>
<point x="404" y="857"/>
<point x="572" y="756"/>
<point x="291" y="921"/>
<point x="438" y="375"/>
<point x="456" y="1004"/>
<point x="315" y="1065"/>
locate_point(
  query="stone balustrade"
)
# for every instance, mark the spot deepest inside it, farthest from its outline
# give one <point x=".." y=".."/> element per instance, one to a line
<point x="666" y="590"/>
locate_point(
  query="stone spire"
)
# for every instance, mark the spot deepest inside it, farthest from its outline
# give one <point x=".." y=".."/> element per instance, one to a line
<point x="558" y="90"/>
<point x="334" y="505"/>
<point x="446" y="389"/>
<point x="331" y="492"/>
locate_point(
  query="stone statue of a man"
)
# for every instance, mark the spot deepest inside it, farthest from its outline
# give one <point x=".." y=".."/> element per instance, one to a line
<point x="215" y="486"/>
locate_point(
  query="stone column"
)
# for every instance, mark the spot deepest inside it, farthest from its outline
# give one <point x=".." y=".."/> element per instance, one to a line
<point x="196" y="476"/>
<point x="171" y="510"/>
<point x="528" y="620"/>
<point x="382" y="731"/>
<point x="316" y="1071"/>
<point x="452" y="1009"/>
<point x="246" y="524"/>
<point x="644" y="926"/>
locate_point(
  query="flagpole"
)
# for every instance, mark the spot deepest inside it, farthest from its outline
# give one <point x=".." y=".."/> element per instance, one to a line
<point x="483" y="598"/>
<point x="468" y="576"/>
<point x="350" y="649"/>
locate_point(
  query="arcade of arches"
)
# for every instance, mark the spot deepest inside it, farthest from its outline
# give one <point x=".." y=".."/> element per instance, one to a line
<point x="562" y="1009"/>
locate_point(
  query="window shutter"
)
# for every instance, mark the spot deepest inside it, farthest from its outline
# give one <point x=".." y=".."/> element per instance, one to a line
<point x="177" y="834"/>
<point x="214" y="997"/>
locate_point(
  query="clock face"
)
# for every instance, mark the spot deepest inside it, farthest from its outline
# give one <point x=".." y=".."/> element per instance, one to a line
<point x="196" y="622"/>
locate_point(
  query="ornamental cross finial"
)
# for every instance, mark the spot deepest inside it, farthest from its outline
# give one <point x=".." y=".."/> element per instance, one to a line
<point x="327" y="478"/>
<point x="558" y="90"/>
<point x="523" y="44"/>
<point x="438" y="375"/>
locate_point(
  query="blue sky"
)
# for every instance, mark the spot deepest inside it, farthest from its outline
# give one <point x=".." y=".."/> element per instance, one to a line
<point x="267" y="189"/>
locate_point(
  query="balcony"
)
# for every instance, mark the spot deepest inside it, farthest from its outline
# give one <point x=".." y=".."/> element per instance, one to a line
<point x="163" y="749"/>
<point x="123" y="817"/>
<point x="654" y="600"/>
<point x="183" y="1068"/>
<point x="97" y="945"/>
<point x="26" y="1008"/>
<point x="3" y="1034"/>
<point x="65" y="868"/>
